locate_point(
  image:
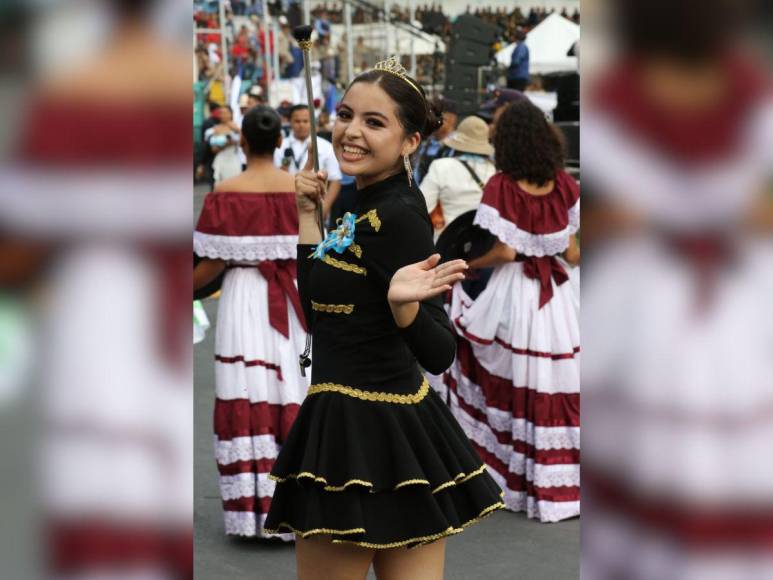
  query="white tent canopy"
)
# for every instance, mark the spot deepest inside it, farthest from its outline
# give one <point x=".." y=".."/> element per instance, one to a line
<point x="548" y="44"/>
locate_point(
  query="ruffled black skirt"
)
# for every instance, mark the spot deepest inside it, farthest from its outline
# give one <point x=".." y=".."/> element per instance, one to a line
<point x="379" y="474"/>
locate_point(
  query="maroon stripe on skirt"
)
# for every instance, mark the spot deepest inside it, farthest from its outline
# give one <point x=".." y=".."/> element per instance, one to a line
<point x="253" y="466"/>
<point x="515" y="350"/>
<point x="259" y="505"/>
<point x="241" y="418"/>
<point x="744" y="525"/>
<point x="542" y="409"/>
<point x="519" y="483"/>
<point x="250" y="363"/>
<point x="541" y="456"/>
<point x="81" y="545"/>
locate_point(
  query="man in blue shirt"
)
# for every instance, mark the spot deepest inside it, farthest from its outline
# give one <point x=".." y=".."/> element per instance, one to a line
<point x="518" y="71"/>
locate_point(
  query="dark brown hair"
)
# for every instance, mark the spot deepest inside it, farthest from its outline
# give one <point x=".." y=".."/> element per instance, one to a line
<point x="261" y="127"/>
<point x="414" y="113"/>
<point x="526" y="145"/>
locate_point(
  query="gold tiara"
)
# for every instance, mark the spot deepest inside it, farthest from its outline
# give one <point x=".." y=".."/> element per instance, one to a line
<point x="392" y="66"/>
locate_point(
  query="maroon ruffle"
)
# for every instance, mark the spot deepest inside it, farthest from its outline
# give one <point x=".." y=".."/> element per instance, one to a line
<point x="74" y="134"/>
<point x="536" y="214"/>
<point x="700" y="135"/>
<point x="249" y="214"/>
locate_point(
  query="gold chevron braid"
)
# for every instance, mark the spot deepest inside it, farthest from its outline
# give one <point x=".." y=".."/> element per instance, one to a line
<point x="333" y="308"/>
<point x="372" y="217"/>
<point x="392" y="66"/>
<point x="330" y="261"/>
<point x="370" y="395"/>
<point x="306" y="44"/>
<point x="356" y="249"/>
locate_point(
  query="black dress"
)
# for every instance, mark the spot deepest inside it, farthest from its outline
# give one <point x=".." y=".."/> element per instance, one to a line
<point x="375" y="457"/>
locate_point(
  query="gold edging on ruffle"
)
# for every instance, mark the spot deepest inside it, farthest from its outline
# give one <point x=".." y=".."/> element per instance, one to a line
<point x="333" y="308"/>
<point x="410" y="482"/>
<point x="371" y="396"/>
<point x="312" y="532"/>
<point x="373" y="219"/>
<point x="426" y="539"/>
<point x="319" y="479"/>
<point x="461" y="478"/>
<point x="346" y="266"/>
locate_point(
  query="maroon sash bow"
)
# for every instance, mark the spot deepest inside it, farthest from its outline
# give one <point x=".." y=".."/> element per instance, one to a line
<point x="281" y="286"/>
<point x="544" y="269"/>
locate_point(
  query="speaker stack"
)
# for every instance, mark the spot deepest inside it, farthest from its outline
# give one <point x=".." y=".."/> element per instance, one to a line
<point x="470" y="49"/>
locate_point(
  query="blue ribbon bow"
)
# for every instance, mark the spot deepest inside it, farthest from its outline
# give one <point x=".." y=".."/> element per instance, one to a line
<point x="339" y="239"/>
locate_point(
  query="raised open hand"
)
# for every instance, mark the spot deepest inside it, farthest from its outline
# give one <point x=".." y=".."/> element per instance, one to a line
<point x="425" y="279"/>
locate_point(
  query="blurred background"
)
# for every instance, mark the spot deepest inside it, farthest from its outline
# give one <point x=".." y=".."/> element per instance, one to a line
<point x="95" y="348"/>
<point x="677" y="128"/>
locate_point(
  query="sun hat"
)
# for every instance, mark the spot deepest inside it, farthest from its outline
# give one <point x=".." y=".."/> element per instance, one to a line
<point x="471" y="136"/>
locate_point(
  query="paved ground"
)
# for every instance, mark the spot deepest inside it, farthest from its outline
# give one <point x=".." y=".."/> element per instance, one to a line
<point x="503" y="546"/>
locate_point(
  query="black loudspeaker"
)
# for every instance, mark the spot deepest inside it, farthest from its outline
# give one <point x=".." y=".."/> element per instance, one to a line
<point x="567" y="87"/>
<point x="469" y="27"/>
<point x="468" y="52"/>
<point x="467" y="101"/>
<point x="571" y="131"/>
<point x="461" y="77"/>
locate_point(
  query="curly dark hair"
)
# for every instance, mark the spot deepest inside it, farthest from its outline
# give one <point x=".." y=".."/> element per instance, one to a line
<point x="526" y="144"/>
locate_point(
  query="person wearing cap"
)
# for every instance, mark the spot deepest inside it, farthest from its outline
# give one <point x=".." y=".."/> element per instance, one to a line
<point x="254" y="96"/>
<point x="492" y="109"/>
<point x="433" y="147"/>
<point x="456" y="183"/>
<point x="518" y="71"/>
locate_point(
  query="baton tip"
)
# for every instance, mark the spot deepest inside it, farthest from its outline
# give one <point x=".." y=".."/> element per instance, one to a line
<point x="302" y="33"/>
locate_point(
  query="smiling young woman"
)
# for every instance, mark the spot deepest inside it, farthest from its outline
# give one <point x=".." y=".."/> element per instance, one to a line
<point x="375" y="470"/>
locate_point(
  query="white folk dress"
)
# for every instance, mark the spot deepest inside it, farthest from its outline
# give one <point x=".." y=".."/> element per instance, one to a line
<point x="259" y="336"/>
<point x="515" y="383"/>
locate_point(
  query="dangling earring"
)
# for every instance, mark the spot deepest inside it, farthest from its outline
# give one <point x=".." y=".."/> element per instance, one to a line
<point x="408" y="169"/>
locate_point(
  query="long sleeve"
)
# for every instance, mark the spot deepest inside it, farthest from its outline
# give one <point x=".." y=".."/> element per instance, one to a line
<point x="304" y="265"/>
<point x="406" y="238"/>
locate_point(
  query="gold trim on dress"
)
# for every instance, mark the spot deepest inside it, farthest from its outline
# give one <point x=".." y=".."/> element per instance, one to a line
<point x="356" y="249"/>
<point x="462" y="477"/>
<point x="421" y="540"/>
<point x="371" y="396"/>
<point x="312" y="532"/>
<point x="341" y="265"/>
<point x="373" y="219"/>
<point x="332" y="308"/>
<point x="320" y="479"/>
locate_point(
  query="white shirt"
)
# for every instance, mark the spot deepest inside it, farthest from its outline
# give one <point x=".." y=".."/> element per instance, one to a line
<point x="300" y="149"/>
<point x="449" y="183"/>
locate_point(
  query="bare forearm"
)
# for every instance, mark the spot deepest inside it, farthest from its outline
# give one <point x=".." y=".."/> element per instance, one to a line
<point x="499" y="254"/>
